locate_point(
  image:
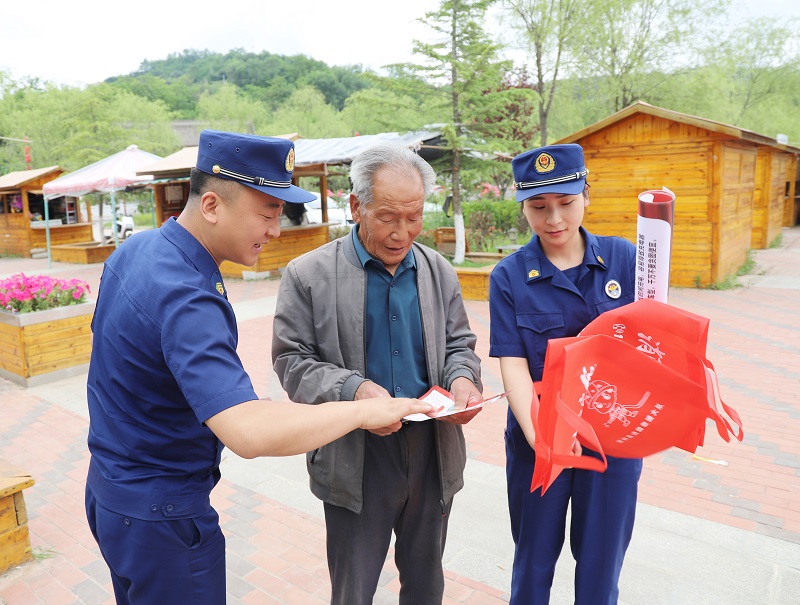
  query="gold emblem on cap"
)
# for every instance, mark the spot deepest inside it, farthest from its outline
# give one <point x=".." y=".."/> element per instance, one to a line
<point x="290" y="160"/>
<point x="215" y="169"/>
<point x="220" y="287"/>
<point x="544" y="163"/>
<point x="533" y="273"/>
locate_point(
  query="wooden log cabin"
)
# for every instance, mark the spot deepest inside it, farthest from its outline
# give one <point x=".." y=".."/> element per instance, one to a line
<point x="734" y="188"/>
<point x="23" y="231"/>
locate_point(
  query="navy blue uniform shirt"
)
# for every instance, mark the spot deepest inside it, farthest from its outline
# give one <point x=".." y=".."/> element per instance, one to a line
<point x="532" y="301"/>
<point x="395" y="352"/>
<point x="163" y="362"/>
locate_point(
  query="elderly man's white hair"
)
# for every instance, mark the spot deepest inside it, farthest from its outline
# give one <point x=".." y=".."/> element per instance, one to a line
<point x="401" y="160"/>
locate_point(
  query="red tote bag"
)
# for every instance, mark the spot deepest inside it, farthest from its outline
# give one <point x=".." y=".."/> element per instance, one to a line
<point x="675" y="338"/>
<point x="634" y="382"/>
<point x="555" y="426"/>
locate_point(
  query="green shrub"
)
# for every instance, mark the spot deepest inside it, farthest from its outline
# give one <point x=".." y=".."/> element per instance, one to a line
<point x="505" y="213"/>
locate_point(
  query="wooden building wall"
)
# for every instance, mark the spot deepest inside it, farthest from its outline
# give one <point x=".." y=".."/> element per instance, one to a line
<point x="18" y="236"/>
<point x="14" y="238"/>
<point x="170" y="199"/>
<point x="733" y="216"/>
<point x="293" y="242"/>
<point x="791" y="215"/>
<point x="774" y="195"/>
<point x="644" y="152"/>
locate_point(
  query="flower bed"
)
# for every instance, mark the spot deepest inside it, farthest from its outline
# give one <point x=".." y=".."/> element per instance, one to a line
<point x="21" y="293"/>
<point x="45" y="328"/>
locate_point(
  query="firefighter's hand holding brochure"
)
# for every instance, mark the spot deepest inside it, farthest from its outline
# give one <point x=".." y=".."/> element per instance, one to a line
<point x="443" y="402"/>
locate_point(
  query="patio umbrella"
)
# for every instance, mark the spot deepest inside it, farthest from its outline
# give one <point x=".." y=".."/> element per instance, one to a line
<point x="109" y="175"/>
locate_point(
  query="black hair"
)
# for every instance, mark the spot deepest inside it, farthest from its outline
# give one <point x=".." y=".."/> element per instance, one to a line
<point x="201" y="182"/>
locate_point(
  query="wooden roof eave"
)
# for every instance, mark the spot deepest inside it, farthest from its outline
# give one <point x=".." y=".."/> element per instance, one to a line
<point x="668" y="114"/>
<point x="15" y="181"/>
<point x="322" y="169"/>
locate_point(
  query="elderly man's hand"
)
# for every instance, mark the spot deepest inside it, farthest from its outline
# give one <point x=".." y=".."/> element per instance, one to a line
<point x="466" y="394"/>
<point x="372" y="390"/>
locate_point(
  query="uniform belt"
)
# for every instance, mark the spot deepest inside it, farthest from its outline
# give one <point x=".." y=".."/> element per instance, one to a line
<point x="146" y="506"/>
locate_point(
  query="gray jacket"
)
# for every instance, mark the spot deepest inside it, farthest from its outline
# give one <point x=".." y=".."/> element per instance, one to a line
<point x="318" y="352"/>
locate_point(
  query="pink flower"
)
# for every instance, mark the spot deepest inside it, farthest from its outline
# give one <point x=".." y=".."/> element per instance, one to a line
<point x="21" y="293"/>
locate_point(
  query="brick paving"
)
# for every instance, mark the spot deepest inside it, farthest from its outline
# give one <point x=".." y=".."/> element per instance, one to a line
<point x="276" y="553"/>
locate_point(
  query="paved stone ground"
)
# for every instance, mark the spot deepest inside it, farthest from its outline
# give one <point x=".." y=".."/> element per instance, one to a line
<point x="707" y="532"/>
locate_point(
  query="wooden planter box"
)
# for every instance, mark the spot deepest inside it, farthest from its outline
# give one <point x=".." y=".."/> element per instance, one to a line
<point x="15" y="544"/>
<point x="82" y="252"/>
<point x="36" y="348"/>
<point x="474" y="282"/>
<point x="445" y="239"/>
<point x="293" y="242"/>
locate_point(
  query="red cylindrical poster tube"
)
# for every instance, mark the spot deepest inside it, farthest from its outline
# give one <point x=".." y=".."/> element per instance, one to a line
<point x="654" y="243"/>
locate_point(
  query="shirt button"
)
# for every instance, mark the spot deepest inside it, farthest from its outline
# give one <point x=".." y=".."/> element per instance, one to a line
<point x="126" y="521"/>
<point x="396" y="353"/>
<point x="154" y="507"/>
<point x="397" y="389"/>
<point x="170" y="508"/>
<point x="394" y="317"/>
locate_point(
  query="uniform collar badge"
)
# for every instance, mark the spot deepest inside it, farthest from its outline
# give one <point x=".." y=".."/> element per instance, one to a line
<point x="533" y="273"/>
<point x="613" y="289"/>
<point x="600" y="260"/>
<point x="220" y="288"/>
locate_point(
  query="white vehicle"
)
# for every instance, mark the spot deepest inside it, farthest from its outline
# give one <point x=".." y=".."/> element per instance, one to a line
<point x="124" y="226"/>
<point x="338" y="215"/>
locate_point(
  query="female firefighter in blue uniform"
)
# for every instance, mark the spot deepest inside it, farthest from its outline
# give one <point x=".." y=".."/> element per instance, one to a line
<point x="552" y="288"/>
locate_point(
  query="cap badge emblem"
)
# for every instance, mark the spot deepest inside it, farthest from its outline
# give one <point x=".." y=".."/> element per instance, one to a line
<point x="544" y="163"/>
<point x="533" y="273"/>
<point x="290" y="160"/>
<point x="215" y="169"/>
<point x="613" y="289"/>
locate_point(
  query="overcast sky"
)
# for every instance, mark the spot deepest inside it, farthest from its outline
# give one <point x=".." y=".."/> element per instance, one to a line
<point x="79" y="42"/>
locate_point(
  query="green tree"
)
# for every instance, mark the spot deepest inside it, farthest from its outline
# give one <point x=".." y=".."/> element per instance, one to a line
<point x="637" y="46"/>
<point x="72" y="128"/>
<point x="375" y="110"/>
<point x="306" y="113"/>
<point x="180" y="95"/>
<point x="760" y="61"/>
<point x="550" y="32"/>
<point x="462" y="65"/>
<point x="226" y="109"/>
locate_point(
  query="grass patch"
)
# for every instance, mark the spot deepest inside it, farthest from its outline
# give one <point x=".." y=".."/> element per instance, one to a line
<point x="748" y="265"/>
<point x="731" y="282"/>
<point x="777" y="242"/>
<point x="472" y="263"/>
<point x="39" y="554"/>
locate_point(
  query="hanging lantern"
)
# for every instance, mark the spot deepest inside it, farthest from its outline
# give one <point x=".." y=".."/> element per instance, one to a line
<point x="27" y="154"/>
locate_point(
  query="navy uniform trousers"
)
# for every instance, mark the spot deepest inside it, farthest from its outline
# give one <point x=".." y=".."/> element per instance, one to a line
<point x="402" y="492"/>
<point x="602" y="517"/>
<point x="156" y="562"/>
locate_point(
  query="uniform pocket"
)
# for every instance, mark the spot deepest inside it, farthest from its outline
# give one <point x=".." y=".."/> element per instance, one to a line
<point x="541" y="323"/>
<point x="606" y="305"/>
<point x="185" y="530"/>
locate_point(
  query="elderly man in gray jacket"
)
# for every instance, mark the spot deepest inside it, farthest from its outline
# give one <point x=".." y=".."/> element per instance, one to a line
<point x="374" y="313"/>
